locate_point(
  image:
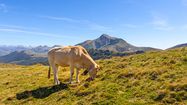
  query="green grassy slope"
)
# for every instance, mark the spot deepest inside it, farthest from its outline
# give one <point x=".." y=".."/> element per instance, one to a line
<point x="149" y="78"/>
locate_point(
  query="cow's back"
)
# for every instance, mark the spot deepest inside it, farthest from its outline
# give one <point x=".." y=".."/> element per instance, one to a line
<point x="66" y="55"/>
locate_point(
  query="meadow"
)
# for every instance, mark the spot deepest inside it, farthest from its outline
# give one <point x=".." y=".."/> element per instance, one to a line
<point x="151" y="78"/>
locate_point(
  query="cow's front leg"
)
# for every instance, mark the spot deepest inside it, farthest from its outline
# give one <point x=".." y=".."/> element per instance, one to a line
<point x="77" y="75"/>
<point x="71" y="74"/>
<point x="55" y="71"/>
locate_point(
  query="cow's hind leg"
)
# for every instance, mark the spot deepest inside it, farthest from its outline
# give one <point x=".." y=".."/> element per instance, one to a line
<point x="55" y="72"/>
<point x="71" y="73"/>
<point x="77" y="75"/>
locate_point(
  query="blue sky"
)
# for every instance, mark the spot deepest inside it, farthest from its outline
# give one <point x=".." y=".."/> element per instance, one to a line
<point x="154" y="23"/>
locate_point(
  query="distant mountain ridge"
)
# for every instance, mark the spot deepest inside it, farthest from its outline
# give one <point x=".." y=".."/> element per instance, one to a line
<point x="4" y="50"/>
<point x="180" y="45"/>
<point x="25" y="55"/>
<point x="103" y="47"/>
<point x="106" y="42"/>
<point x="23" y="58"/>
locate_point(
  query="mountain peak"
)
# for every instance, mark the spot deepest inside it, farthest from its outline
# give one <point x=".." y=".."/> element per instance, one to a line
<point x="106" y="42"/>
<point x="105" y="36"/>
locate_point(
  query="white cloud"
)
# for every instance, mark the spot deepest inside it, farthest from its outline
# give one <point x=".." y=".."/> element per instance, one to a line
<point x="18" y="27"/>
<point x="61" y="19"/>
<point x="15" y="30"/>
<point x="88" y="24"/>
<point x="161" y="23"/>
<point x="3" y="8"/>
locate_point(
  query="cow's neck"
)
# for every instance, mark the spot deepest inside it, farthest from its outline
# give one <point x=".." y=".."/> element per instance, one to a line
<point x="89" y="62"/>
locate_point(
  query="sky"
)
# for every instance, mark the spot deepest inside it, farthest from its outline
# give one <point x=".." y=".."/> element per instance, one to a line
<point x="151" y="23"/>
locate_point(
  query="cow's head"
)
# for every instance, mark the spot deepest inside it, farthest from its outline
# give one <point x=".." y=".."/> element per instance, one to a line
<point x="93" y="71"/>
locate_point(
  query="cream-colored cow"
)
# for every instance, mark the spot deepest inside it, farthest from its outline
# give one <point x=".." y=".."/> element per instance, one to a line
<point x="73" y="56"/>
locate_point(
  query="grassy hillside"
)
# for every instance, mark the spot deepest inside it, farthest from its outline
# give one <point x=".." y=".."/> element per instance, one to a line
<point x="149" y="78"/>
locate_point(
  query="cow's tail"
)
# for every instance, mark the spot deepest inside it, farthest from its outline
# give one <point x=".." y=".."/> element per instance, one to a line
<point x="49" y="72"/>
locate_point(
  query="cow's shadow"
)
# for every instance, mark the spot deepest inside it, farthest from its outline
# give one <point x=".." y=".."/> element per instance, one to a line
<point x="42" y="92"/>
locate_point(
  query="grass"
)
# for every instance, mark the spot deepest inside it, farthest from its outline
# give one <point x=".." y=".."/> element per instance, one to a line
<point x="152" y="78"/>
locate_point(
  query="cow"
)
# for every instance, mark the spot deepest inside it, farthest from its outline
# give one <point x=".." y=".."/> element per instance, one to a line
<point x="74" y="57"/>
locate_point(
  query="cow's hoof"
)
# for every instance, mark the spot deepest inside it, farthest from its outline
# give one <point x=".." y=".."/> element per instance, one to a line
<point x="57" y="83"/>
<point x="77" y="81"/>
<point x="89" y="79"/>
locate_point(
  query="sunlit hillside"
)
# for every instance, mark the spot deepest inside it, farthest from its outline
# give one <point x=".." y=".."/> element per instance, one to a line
<point x="158" y="77"/>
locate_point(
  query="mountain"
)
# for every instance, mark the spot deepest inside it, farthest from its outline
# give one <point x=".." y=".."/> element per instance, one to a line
<point x="24" y="58"/>
<point x="4" y="50"/>
<point x="106" y="42"/>
<point x="180" y="45"/>
<point x="40" y="49"/>
<point x="103" y="47"/>
<point x="25" y="55"/>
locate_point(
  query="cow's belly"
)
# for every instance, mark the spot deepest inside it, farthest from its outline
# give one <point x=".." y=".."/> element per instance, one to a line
<point x="62" y="61"/>
<point x="78" y="65"/>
